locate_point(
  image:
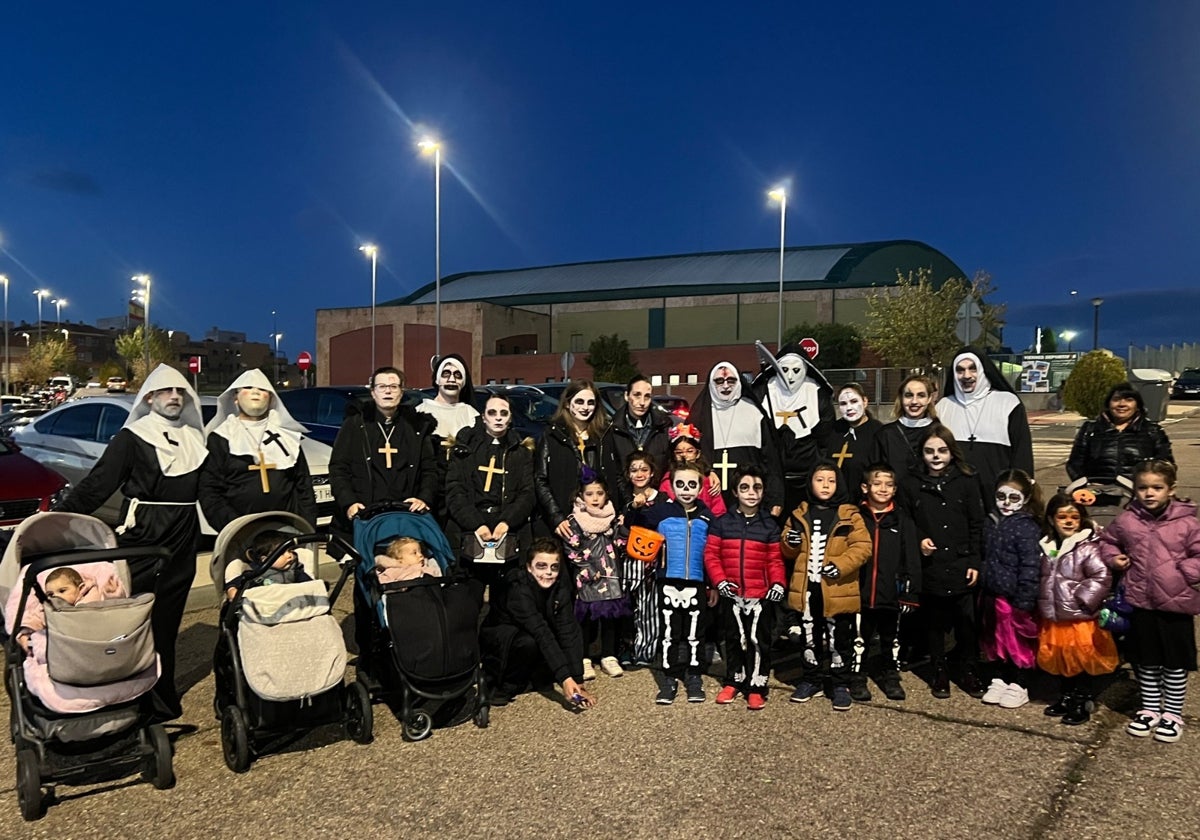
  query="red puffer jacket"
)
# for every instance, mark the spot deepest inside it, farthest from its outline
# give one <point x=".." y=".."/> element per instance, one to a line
<point x="744" y="552"/>
<point x="1075" y="580"/>
<point x="1164" y="553"/>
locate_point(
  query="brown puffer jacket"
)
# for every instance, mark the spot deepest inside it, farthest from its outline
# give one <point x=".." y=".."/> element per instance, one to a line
<point x="1075" y="580"/>
<point x="848" y="548"/>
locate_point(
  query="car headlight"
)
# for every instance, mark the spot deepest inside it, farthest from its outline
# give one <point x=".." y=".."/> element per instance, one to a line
<point x="58" y="496"/>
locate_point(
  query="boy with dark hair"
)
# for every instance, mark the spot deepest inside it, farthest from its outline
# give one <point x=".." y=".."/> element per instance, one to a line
<point x="889" y="581"/>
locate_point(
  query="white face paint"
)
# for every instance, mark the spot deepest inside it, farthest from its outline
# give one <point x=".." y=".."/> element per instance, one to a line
<point x="544" y="568"/>
<point x="850" y="403"/>
<point x="724" y="380"/>
<point x="793" y="369"/>
<point x="450" y="378"/>
<point x="497" y="417"/>
<point x="967" y="374"/>
<point x="686" y="485"/>
<point x="167" y="402"/>
<point x="582" y="406"/>
<point x="1009" y="499"/>
<point x="253" y="402"/>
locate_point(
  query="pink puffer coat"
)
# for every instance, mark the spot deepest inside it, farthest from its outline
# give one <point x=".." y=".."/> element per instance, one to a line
<point x="1164" y="552"/>
<point x="1075" y="580"/>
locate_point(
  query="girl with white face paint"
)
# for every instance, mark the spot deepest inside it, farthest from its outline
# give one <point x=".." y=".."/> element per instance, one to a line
<point x="851" y="443"/>
<point x="570" y="442"/>
<point x="1012" y="574"/>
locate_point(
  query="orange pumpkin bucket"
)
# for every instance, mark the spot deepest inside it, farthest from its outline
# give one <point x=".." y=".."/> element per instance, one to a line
<point x="644" y="544"/>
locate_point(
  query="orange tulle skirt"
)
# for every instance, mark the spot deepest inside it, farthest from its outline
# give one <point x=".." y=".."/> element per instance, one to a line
<point x="1068" y="648"/>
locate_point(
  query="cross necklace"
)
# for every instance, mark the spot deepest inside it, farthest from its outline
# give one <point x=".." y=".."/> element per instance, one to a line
<point x="386" y="450"/>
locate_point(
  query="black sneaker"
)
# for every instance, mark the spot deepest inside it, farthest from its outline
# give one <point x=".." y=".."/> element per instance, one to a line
<point x="970" y="683"/>
<point x="666" y="692"/>
<point x="890" y="683"/>
<point x="695" y="688"/>
<point x="859" y="692"/>
<point x="1059" y="707"/>
<point x="841" y="698"/>
<point x="805" y="691"/>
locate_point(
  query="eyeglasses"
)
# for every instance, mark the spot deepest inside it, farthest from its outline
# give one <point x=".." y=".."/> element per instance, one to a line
<point x="1013" y="498"/>
<point x="724" y="380"/>
<point x="387" y="388"/>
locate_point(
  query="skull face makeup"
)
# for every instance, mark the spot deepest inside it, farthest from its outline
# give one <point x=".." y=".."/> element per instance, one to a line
<point x="449" y="379"/>
<point x="582" y="406"/>
<point x="725" y="383"/>
<point x="496" y="416"/>
<point x="686" y="484"/>
<point x="1009" y="499"/>
<point x="253" y="402"/>
<point x="544" y="568"/>
<point x="850" y="403"/>
<point x="793" y="369"/>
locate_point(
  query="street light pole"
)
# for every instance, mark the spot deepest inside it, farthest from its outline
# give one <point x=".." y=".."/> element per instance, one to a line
<point x="7" y="330"/>
<point x="278" y="336"/>
<point x="1096" y="322"/>
<point x="40" y="293"/>
<point x="1068" y="336"/>
<point x="780" y="194"/>
<point x="428" y="145"/>
<point x="144" y="280"/>
<point x="372" y="252"/>
<point x="59" y="303"/>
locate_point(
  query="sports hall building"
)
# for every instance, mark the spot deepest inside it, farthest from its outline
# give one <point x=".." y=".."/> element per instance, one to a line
<point x="680" y="314"/>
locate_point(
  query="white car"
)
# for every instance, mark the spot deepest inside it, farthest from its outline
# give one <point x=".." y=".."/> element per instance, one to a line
<point x="71" y="438"/>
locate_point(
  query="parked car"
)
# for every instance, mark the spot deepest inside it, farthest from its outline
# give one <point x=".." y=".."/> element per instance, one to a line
<point x="116" y="385"/>
<point x="17" y="418"/>
<point x="678" y="407"/>
<point x="25" y="485"/>
<point x="610" y="394"/>
<point x="11" y="402"/>
<point x="322" y="409"/>
<point x="71" y="438"/>
<point x="1187" y="385"/>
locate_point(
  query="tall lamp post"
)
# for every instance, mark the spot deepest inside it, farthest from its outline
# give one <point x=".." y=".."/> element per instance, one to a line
<point x="1096" y="322"/>
<point x="59" y="303"/>
<point x="1068" y="336"/>
<point x="7" y="330"/>
<point x="278" y="336"/>
<point x="372" y="252"/>
<point x="39" y="294"/>
<point x="780" y="194"/>
<point x="428" y="146"/>
<point x="143" y="280"/>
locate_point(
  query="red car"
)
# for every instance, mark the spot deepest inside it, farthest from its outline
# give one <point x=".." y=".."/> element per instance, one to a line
<point x="25" y="485"/>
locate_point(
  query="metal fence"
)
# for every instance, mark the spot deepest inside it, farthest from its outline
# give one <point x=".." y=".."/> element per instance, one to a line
<point x="1174" y="358"/>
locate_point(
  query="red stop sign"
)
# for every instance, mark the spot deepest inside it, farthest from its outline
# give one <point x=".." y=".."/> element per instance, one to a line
<point x="194" y="364"/>
<point x="810" y="347"/>
<point x="304" y="360"/>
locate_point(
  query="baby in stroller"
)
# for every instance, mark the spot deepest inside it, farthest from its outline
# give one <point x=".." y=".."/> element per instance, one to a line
<point x="405" y="560"/>
<point x="286" y="568"/>
<point x="66" y="584"/>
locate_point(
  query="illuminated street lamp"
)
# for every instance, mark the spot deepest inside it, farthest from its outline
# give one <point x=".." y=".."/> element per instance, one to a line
<point x="278" y="336"/>
<point x="66" y="334"/>
<point x="1068" y="336"/>
<point x="59" y="303"/>
<point x="39" y="294"/>
<point x="1096" y="322"/>
<point x="428" y="146"/>
<point x="780" y="194"/>
<point x="372" y="252"/>
<point x="143" y="280"/>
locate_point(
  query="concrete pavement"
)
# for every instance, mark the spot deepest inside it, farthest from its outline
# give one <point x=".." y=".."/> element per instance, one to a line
<point x="628" y="768"/>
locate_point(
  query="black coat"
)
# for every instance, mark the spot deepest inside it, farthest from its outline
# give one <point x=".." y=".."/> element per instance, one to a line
<point x="618" y="443"/>
<point x="229" y="488"/>
<point x="557" y="472"/>
<point x="358" y="472"/>
<point x="897" y="446"/>
<point x="851" y="448"/>
<point x="546" y="615"/>
<point x="895" y="558"/>
<point x="1102" y="452"/>
<point x="511" y="495"/>
<point x="948" y="510"/>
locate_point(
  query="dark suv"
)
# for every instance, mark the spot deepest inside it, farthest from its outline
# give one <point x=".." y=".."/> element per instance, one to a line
<point x="322" y="409"/>
<point x="1187" y="386"/>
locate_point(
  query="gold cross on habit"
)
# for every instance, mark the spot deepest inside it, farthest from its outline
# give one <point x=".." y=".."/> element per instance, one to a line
<point x="491" y="469"/>
<point x="262" y="466"/>
<point x="387" y="451"/>
<point x="448" y="444"/>
<point x="724" y="466"/>
<point x="844" y="454"/>
<point x="786" y="415"/>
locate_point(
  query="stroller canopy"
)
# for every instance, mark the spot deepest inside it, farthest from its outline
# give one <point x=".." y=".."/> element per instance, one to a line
<point x="50" y="533"/>
<point x="237" y="536"/>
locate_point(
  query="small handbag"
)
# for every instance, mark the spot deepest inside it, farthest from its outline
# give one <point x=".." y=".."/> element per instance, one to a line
<point x="490" y="552"/>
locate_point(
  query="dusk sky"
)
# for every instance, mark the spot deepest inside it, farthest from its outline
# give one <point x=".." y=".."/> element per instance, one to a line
<point x="241" y="152"/>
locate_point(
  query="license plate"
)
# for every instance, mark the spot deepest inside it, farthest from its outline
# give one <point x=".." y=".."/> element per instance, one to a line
<point x="323" y="492"/>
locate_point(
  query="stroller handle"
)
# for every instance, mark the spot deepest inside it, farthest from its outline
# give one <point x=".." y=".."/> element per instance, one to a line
<point x="349" y="555"/>
<point x="380" y="508"/>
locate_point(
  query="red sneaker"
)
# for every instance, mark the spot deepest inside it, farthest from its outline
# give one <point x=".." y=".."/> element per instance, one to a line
<point x="755" y="702"/>
<point x="726" y="695"/>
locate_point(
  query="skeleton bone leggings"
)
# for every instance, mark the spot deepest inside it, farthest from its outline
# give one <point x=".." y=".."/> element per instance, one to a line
<point x="748" y="623"/>
<point x="684" y="609"/>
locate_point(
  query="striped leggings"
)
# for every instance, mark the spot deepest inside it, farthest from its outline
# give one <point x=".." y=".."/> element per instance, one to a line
<point x="1162" y="689"/>
<point x="647" y="620"/>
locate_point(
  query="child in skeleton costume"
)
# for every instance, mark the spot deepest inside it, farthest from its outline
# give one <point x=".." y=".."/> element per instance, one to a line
<point x="743" y="562"/>
<point x="682" y="595"/>
<point x="849" y="441"/>
<point x="799" y="404"/>
<point x="255" y="462"/>
<point x="736" y="433"/>
<point x="986" y="417"/>
<point x="828" y="541"/>
<point x="155" y="461"/>
<point x="453" y="410"/>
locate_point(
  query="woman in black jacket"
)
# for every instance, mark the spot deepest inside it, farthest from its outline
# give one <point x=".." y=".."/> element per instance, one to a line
<point x="489" y="492"/>
<point x="897" y="444"/>
<point x="1107" y="448"/>
<point x="572" y="439"/>
<point x="637" y="427"/>
<point x="530" y="634"/>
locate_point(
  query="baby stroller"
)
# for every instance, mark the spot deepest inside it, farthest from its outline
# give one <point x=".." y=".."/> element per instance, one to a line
<point x="280" y="661"/>
<point x="80" y="697"/>
<point x="424" y="632"/>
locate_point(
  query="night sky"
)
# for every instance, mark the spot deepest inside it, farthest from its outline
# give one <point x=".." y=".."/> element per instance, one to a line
<point x="240" y="152"/>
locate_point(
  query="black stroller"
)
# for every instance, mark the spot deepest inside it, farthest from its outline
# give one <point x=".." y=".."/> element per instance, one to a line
<point x="78" y="672"/>
<point x="424" y="635"/>
<point x="280" y="661"/>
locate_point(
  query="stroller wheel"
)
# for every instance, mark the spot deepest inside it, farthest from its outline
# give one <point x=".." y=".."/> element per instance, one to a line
<point x="481" y="716"/>
<point x="418" y="726"/>
<point x="157" y="769"/>
<point x="360" y="717"/>
<point x="29" y="785"/>
<point x="235" y="740"/>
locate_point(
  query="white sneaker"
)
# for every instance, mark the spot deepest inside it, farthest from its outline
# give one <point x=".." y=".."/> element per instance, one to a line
<point x="611" y="666"/>
<point x="1014" y="697"/>
<point x="589" y="673"/>
<point x="994" y="692"/>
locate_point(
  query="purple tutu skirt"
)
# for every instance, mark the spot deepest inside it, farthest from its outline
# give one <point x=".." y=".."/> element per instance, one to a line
<point x="1009" y="634"/>
<point x="611" y="608"/>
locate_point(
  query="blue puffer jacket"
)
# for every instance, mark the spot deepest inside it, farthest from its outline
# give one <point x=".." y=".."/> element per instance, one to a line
<point x="1012" y="559"/>
<point x="683" y="554"/>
